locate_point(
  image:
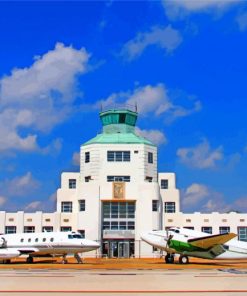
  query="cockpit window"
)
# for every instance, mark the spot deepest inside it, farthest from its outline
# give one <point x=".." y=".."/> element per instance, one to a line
<point x="71" y="236"/>
<point x="177" y="231"/>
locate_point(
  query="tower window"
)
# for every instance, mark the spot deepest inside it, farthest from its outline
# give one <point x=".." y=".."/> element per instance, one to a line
<point x="72" y="183"/>
<point x="118" y="178"/>
<point x="170" y="207"/>
<point x="150" y="157"/>
<point x="207" y="229"/>
<point x="164" y="184"/>
<point x="82" y="205"/>
<point x="118" y="156"/>
<point x="224" y="229"/>
<point x="87" y="156"/>
<point x="122" y="118"/>
<point x="155" y="204"/>
<point x="10" y="229"/>
<point x="66" y="206"/>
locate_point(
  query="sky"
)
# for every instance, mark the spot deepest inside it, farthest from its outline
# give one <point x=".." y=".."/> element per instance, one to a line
<point x="184" y="64"/>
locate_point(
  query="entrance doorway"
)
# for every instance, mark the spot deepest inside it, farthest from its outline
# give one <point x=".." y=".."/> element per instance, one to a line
<point x="118" y="248"/>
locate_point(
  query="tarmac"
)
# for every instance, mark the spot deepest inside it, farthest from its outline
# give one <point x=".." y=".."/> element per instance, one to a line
<point x="101" y="276"/>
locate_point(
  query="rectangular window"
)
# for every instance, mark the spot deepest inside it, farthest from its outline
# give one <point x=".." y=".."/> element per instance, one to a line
<point x="207" y="229"/>
<point x="65" y="228"/>
<point x="164" y="184"/>
<point x="47" y="228"/>
<point x="149" y="179"/>
<point x="131" y="225"/>
<point x="118" y="178"/>
<point x="66" y="207"/>
<point x="118" y="156"/>
<point x="224" y="229"/>
<point x="150" y="157"/>
<point x="155" y="204"/>
<point x="10" y="229"/>
<point x="106" y="225"/>
<point x="242" y="234"/>
<point x="82" y="205"/>
<point x="29" y="229"/>
<point x="87" y="156"/>
<point x="169" y="207"/>
<point x="72" y="183"/>
<point x="82" y="232"/>
<point x="122" y="225"/>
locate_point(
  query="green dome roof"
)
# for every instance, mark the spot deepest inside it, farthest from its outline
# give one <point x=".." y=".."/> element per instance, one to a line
<point x="118" y="138"/>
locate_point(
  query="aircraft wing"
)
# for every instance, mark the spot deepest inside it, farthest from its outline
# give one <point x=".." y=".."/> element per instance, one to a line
<point x="27" y="250"/>
<point x="207" y="242"/>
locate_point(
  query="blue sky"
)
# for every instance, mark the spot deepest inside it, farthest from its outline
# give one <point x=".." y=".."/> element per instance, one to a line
<point x="183" y="62"/>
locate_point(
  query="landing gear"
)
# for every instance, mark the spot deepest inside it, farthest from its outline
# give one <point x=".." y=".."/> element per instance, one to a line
<point x="169" y="258"/>
<point x="29" y="260"/>
<point x="78" y="258"/>
<point x="64" y="261"/>
<point x="183" y="259"/>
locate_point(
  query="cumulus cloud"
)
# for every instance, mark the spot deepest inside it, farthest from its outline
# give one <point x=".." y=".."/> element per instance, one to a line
<point x="194" y="194"/>
<point x="202" y="156"/>
<point x="19" y="186"/>
<point x="166" y="38"/>
<point x="34" y="205"/>
<point x="150" y="100"/>
<point x="180" y="8"/>
<point x="37" y="98"/>
<point x="76" y="158"/>
<point x="155" y="136"/>
<point x="2" y="200"/>
<point x="242" y="21"/>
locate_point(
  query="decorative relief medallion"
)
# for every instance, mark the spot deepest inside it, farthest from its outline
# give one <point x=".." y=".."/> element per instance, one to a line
<point x="118" y="190"/>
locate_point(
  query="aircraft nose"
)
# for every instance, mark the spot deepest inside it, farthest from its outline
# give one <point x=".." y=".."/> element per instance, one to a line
<point x="146" y="237"/>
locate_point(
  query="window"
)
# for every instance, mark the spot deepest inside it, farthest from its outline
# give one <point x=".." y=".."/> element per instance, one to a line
<point x="51" y="239"/>
<point x="66" y="206"/>
<point x="87" y="178"/>
<point x="155" y="204"/>
<point x="188" y="220"/>
<point x="118" y="216"/>
<point x="189" y="227"/>
<point x="48" y="220"/>
<point x="207" y="229"/>
<point x="87" y="156"/>
<point x="118" y="178"/>
<point x="44" y="239"/>
<point x="29" y="240"/>
<point x="170" y="207"/>
<point x="72" y="183"/>
<point x="118" y="156"/>
<point x="149" y="179"/>
<point x="150" y="157"/>
<point x="29" y="229"/>
<point x="224" y="229"/>
<point x="22" y="240"/>
<point x="10" y="229"/>
<point x="82" y="205"/>
<point x="36" y="240"/>
<point x="82" y="232"/>
<point x="242" y="234"/>
<point x="164" y="184"/>
<point x="65" y="228"/>
<point x="47" y="228"/>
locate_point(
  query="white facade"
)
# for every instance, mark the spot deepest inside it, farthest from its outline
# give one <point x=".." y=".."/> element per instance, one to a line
<point x="118" y="194"/>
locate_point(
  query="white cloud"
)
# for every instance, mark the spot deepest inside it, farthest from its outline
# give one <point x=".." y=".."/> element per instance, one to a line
<point x="19" y="186"/>
<point x="150" y="100"/>
<point x="194" y="194"/>
<point x="155" y="136"/>
<point x="242" y="21"/>
<point x="2" y="200"/>
<point x="76" y="158"/>
<point x="166" y="38"/>
<point x="34" y="205"/>
<point x="201" y="156"/>
<point x="180" y="8"/>
<point x="39" y="97"/>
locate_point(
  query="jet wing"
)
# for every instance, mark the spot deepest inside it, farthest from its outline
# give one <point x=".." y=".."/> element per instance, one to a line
<point x="207" y="242"/>
<point x="27" y="250"/>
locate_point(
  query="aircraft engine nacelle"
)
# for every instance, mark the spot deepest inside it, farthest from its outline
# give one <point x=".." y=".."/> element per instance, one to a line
<point x="8" y="254"/>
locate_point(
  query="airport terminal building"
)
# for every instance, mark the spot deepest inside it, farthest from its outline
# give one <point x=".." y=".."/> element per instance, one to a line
<point x="119" y="194"/>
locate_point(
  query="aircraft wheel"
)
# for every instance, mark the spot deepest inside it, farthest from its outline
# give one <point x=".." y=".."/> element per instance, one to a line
<point x="169" y="258"/>
<point x="29" y="259"/>
<point x="183" y="259"/>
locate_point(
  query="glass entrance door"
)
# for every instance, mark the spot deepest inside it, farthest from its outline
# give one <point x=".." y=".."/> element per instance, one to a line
<point x="123" y="249"/>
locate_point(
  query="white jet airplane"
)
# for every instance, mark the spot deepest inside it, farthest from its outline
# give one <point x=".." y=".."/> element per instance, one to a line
<point x="190" y="243"/>
<point x="44" y="244"/>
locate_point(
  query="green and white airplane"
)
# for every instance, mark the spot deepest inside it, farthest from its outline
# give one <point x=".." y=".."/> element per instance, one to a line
<point x="189" y="243"/>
